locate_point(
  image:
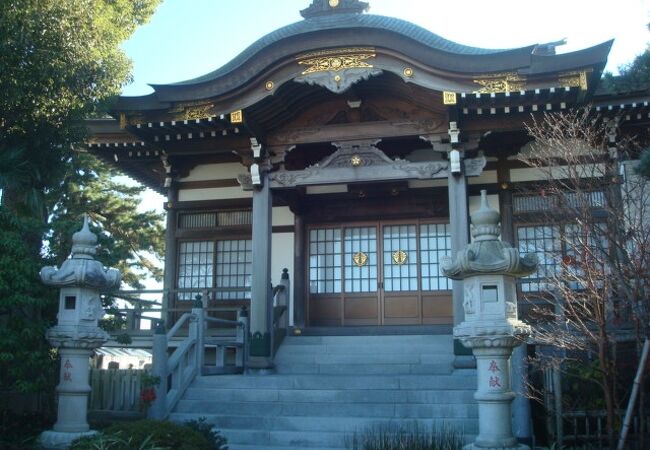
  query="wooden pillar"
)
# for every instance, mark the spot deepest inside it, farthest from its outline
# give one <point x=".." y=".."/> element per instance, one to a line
<point x="171" y="253"/>
<point x="261" y="311"/>
<point x="459" y="225"/>
<point x="299" y="271"/>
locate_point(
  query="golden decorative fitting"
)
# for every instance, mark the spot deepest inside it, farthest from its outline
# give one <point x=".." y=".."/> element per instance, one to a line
<point x="504" y="185"/>
<point x="192" y="111"/>
<point x="269" y="85"/>
<point x="360" y="259"/>
<point x="356" y="161"/>
<point x="336" y="60"/>
<point x="337" y="78"/>
<point x="136" y="119"/>
<point x="449" y="98"/>
<point x="400" y="257"/>
<point x="574" y="79"/>
<point x="501" y="82"/>
<point x="236" y="117"/>
<point x="334" y="3"/>
<point x="198" y="112"/>
<point x="123" y="121"/>
<point x="408" y="72"/>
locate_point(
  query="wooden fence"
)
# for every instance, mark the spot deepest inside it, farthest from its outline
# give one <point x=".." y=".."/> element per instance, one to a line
<point x="115" y="391"/>
<point x="589" y="428"/>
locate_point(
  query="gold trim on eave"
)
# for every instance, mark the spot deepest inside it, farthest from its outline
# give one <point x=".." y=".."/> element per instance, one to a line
<point x="237" y="116"/>
<point x="500" y="83"/>
<point x="574" y="79"/>
<point x="449" y="98"/>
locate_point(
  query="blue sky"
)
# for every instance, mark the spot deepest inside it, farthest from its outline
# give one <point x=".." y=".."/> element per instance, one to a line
<point x="188" y="38"/>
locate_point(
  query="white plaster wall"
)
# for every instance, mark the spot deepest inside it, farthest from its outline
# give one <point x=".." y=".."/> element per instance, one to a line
<point x="533" y="174"/>
<point x="487" y="177"/>
<point x="188" y="195"/>
<point x="329" y="189"/>
<point x="282" y="216"/>
<point x="282" y="257"/>
<point x="415" y="184"/>
<point x="224" y="171"/>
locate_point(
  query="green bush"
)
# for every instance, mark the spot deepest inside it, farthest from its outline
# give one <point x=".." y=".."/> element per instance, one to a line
<point x="151" y="435"/>
<point x="414" y="436"/>
<point x="218" y="442"/>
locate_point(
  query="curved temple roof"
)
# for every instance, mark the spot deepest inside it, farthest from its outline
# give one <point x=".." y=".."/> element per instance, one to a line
<point x="333" y="24"/>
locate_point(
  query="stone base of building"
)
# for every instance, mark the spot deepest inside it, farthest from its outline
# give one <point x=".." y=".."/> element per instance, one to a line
<point x="59" y="440"/>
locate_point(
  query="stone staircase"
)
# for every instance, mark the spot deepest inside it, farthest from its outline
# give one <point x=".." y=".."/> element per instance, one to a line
<point x="326" y="387"/>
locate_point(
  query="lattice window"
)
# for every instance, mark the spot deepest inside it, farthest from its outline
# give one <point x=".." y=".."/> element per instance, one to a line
<point x="325" y="261"/>
<point x="195" y="267"/>
<point x="543" y="240"/>
<point x="435" y="242"/>
<point x="189" y="221"/>
<point x="400" y="258"/>
<point x="234" y="269"/>
<point x="360" y="259"/>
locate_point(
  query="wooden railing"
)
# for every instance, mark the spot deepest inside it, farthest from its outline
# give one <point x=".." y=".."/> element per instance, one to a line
<point x="115" y="391"/>
<point x="177" y="371"/>
<point x="193" y="346"/>
<point x="590" y="428"/>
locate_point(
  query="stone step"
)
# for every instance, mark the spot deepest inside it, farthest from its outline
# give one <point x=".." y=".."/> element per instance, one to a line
<point x="443" y="339"/>
<point x="364" y="369"/>
<point x="456" y="381"/>
<point x="414" y="396"/>
<point x="329" y="409"/>
<point x="275" y="439"/>
<point x="361" y="358"/>
<point x="328" y="424"/>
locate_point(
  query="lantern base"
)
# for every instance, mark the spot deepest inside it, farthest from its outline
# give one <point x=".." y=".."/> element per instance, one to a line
<point x="59" y="440"/>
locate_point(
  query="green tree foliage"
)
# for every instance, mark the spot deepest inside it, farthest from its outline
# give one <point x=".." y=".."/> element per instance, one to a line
<point x="129" y="240"/>
<point x="60" y="62"/>
<point x="634" y="76"/>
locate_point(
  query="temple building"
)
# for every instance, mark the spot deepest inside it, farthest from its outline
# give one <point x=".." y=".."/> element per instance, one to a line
<point x="350" y="149"/>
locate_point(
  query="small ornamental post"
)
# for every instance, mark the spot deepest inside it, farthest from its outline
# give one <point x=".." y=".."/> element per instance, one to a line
<point x="80" y="279"/>
<point x="489" y="268"/>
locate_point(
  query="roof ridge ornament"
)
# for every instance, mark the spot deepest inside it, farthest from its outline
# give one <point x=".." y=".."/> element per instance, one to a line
<point x="326" y="7"/>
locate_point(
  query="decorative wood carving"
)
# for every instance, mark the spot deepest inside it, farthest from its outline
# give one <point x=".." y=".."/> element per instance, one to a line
<point x="362" y="161"/>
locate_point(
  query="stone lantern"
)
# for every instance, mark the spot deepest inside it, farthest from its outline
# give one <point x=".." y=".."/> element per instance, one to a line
<point x="489" y="268"/>
<point x="80" y="279"/>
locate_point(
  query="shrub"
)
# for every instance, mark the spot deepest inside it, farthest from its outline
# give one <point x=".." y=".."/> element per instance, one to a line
<point x="218" y="442"/>
<point x="147" y="435"/>
<point x="414" y="436"/>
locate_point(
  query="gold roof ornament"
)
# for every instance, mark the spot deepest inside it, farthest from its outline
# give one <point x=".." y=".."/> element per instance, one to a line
<point x="500" y="83"/>
<point x="237" y="116"/>
<point x="336" y="60"/>
<point x="449" y="98"/>
<point x="574" y="79"/>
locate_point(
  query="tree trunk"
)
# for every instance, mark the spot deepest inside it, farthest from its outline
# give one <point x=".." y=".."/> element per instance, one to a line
<point x="608" y="391"/>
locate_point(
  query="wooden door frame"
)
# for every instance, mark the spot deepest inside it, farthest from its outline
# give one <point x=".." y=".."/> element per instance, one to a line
<point x="380" y="293"/>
